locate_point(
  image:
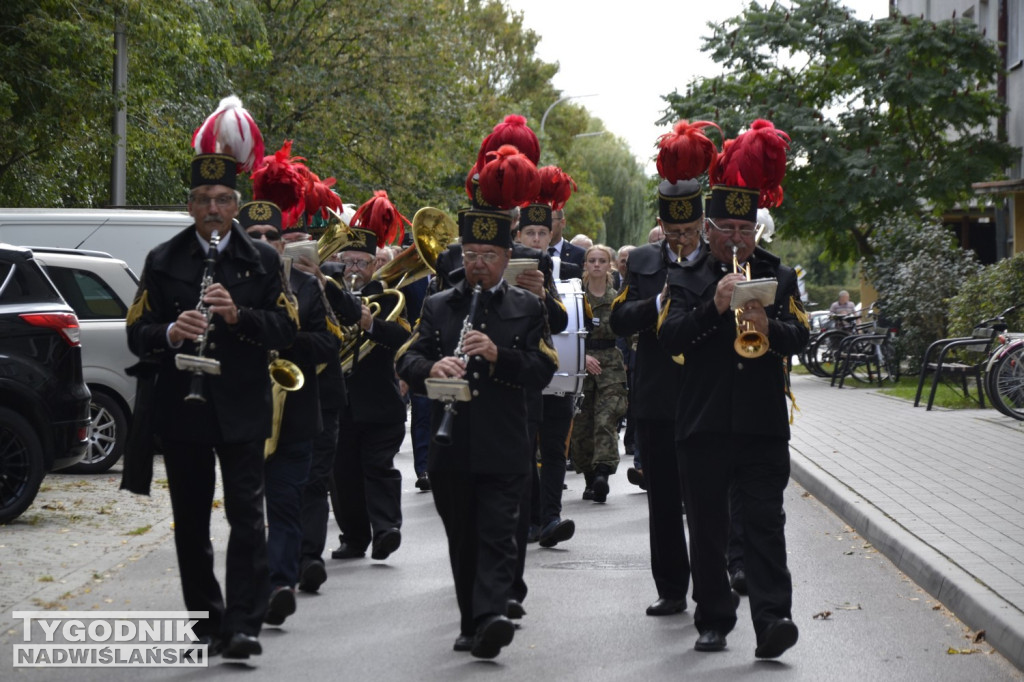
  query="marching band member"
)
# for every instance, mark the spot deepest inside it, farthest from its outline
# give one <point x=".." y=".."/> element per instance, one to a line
<point x="732" y="426"/>
<point x="244" y="311"/>
<point x="503" y="352"/>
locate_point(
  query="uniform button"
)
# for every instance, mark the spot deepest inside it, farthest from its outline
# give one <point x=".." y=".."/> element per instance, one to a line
<point x="475" y="392"/>
<point x="483" y="325"/>
<point x="739" y="365"/>
<point x="476" y="375"/>
<point x="213" y="346"/>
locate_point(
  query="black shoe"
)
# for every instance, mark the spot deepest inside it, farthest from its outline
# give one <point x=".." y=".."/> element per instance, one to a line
<point x="463" y="643"/>
<point x="312" y="576"/>
<point x="533" y="534"/>
<point x="712" y="640"/>
<point x="280" y="606"/>
<point x="588" y="493"/>
<point x="386" y="543"/>
<point x="423" y="484"/>
<point x="636" y="477"/>
<point x="214" y="645"/>
<point x="557" y="531"/>
<point x="666" y="607"/>
<point x="242" y="645"/>
<point x="491" y="636"/>
<point x="347" y="551"/>
<point x="738" y="582"/>
<point x="600" y="488"/>
<point x="777" y="637"/>
<point x="515" y="609"/>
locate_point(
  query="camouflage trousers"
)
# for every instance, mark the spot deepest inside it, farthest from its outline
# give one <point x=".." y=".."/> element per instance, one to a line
<point x="595" y="433"/>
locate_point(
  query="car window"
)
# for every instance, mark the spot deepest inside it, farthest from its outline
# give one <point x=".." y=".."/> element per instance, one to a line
<point x="86" y="292"/>
<point x="25" y="283"/>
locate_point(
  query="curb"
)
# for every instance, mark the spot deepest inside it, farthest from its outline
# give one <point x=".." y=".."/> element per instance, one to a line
<point x="970" y="600"/>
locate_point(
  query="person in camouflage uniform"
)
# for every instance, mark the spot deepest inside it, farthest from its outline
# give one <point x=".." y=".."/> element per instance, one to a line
<point x="595" y="436"/>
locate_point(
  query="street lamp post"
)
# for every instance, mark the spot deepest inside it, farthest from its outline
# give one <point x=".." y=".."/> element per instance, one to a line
<point x="556" y="103"/>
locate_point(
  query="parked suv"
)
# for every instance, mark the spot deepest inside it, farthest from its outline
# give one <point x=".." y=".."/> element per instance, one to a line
<point x="100" y="288"/>
<point x="44" y="402"/>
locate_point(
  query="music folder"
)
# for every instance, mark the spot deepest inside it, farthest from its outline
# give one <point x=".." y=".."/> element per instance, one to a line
<point x="760" y="289"/>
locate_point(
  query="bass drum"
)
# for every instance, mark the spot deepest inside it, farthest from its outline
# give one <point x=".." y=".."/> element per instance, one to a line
<point x="568" y="380"/>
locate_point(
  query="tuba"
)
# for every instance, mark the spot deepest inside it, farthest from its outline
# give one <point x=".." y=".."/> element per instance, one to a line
<point x="285" y="376"/>
<point x="432" y="232"/>
<point x="335" y="237"/>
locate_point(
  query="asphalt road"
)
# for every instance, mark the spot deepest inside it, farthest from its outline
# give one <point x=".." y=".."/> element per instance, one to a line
<point x="859" y="618"/>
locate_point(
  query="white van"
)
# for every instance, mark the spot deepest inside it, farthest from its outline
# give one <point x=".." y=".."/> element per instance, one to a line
<point x="123" y="233"/>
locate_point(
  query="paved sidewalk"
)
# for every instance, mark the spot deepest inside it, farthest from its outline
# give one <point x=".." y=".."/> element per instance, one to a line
<point x="940" y="493"/>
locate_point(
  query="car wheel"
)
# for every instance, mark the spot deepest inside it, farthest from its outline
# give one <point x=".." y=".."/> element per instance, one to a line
<point x="107" y="435"/>
<point x="21" y="464"/>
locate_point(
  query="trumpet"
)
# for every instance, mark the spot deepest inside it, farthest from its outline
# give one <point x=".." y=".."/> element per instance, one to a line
<point x="749" y="342"/>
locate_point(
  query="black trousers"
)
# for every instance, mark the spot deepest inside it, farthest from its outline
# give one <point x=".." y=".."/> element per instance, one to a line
<point x="528" y="510"/>
<point x="554" y="444"/>
<point x="758" y="468"/>
<point x="367" y="493"/>
<point x="670" y="563"/>
<point x="315" y="508"/>
<point x="479" y="513"/>
<point x="190" y="480"/>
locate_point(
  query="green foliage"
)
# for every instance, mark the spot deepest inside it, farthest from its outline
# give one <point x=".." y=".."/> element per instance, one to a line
<point x="916" y="269"/>
<point x="885" y="116"/>
<point x="995" y="288"/>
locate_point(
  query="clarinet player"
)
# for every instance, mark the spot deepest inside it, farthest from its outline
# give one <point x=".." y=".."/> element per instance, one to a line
<point x="478" y="479"/>
<point x="244" y="313"/>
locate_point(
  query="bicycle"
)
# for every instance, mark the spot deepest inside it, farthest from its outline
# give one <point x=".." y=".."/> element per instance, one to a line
<point x="1004" y="371"/>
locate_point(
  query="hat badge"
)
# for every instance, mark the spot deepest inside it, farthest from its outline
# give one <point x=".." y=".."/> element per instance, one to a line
<point x="485" y="228"/>
<point x="681" y="210"/>
<point x="211" y="169"/>
<point x="259" y="212"/>
<point x="535" y="215"/>
<point x="737" y="203"/>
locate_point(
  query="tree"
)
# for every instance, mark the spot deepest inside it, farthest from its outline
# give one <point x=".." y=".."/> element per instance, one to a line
<point x="888" y="118"/>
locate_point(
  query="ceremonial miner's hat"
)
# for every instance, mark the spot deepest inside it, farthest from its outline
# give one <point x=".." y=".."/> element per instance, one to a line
<point x="260" y="213"/>
<point x="680" y="202"/>
<point x="748" y="172"/>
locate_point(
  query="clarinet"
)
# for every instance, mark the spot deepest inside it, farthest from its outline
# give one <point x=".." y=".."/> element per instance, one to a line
<point x="444" y="429"/>
<point x="196" y="392"/>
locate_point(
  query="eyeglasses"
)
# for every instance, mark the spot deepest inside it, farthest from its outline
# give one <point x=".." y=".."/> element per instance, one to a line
<point x="472" y="256"/>
<point x="269" y="235"/>
<point x="689" y="233"/>
<point x="222" y="200"/>
<point x="357" y="262"/>
<point x="743" y="231"/>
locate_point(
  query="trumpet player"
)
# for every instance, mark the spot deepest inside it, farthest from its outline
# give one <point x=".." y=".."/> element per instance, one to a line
<point x="732" y="422"/>
<point x="248" y="312"/>
<point x="478" y="480"/>
<point x="287" y="467"/>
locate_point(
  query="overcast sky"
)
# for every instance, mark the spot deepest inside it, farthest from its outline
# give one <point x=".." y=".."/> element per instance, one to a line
<point x="629" y="56"/>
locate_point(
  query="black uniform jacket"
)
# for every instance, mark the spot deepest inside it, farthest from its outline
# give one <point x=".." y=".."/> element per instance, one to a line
<point x="571" y="253"/>
<point x="722" y="392"/>
<point x="313" y="345"/>
<point x="656" y="377"/>
<point x="238" y="399"/>
<point x="348" y="310"/>
<point x="372" y="386"/>
<point x="489" y="431"/>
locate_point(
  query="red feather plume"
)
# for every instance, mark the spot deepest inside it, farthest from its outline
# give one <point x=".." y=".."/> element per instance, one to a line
<point x="556" y="186"/>
<point x="381" y="217"/>
<point x="686" y="152"/>
<point x="282" y="180"/>
<point x="509" y="178"/>
<point x="756" y="158"/>
<point x="514" y="131"/>
<point x="320" y="197"/>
